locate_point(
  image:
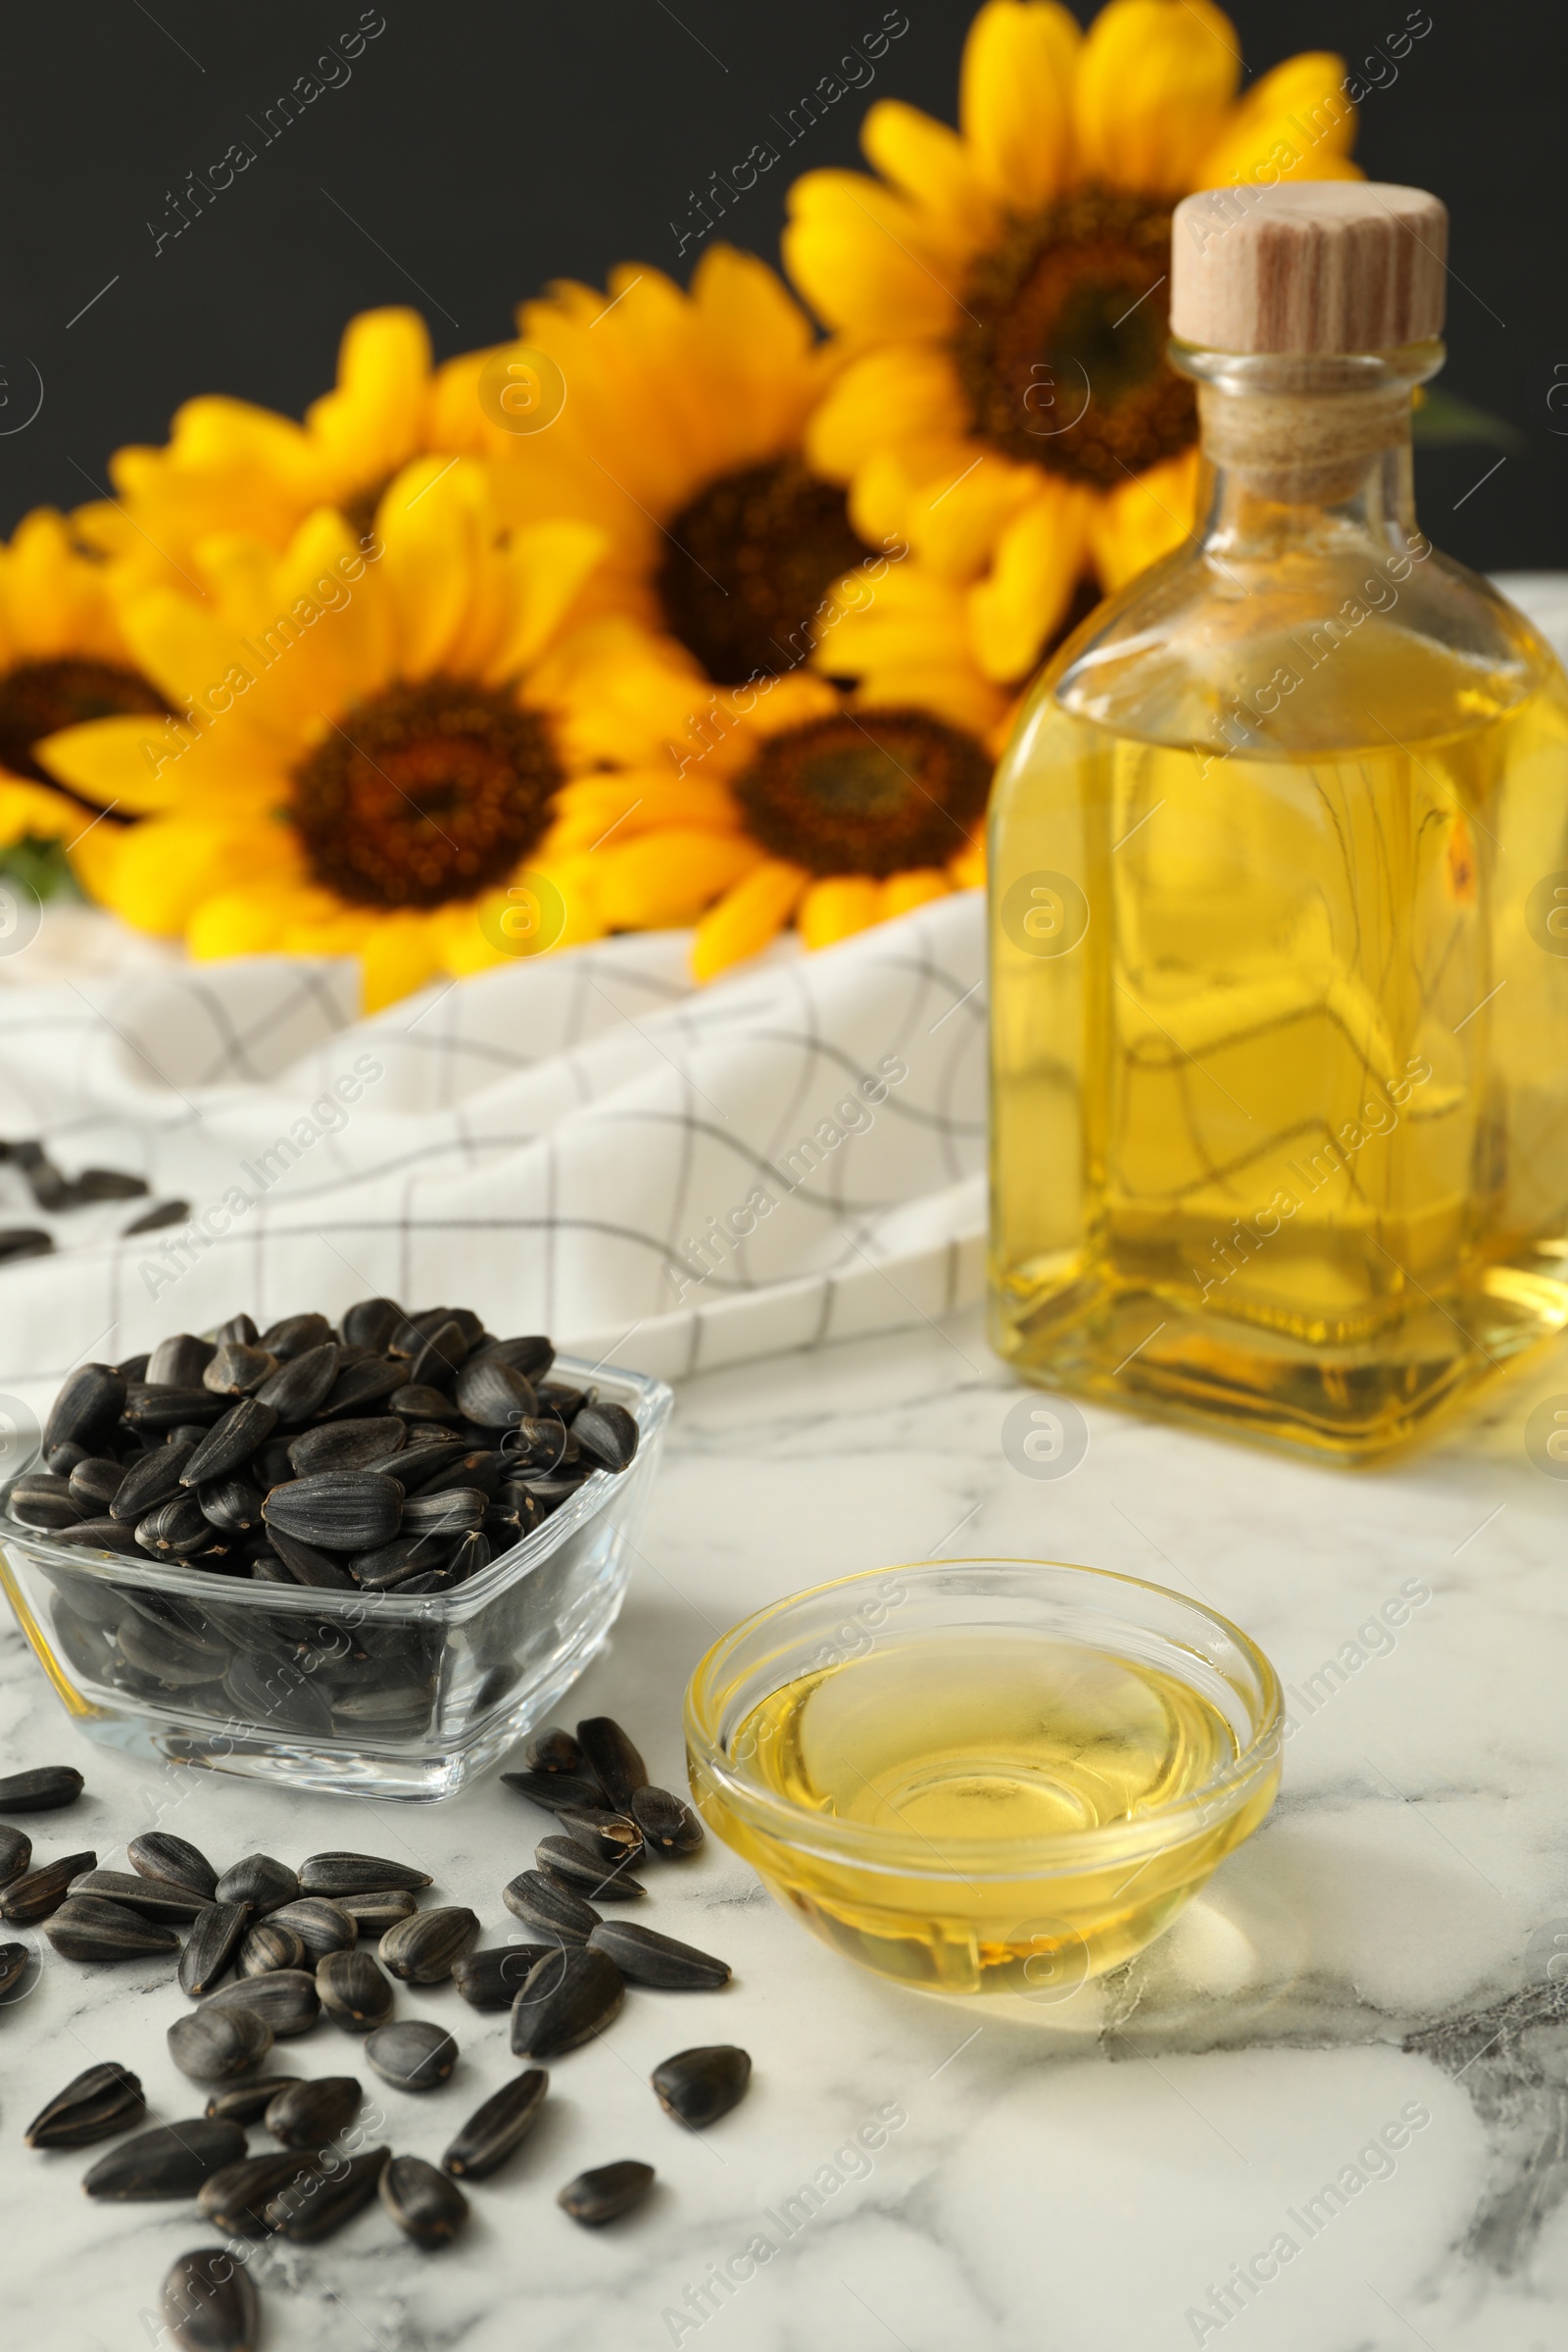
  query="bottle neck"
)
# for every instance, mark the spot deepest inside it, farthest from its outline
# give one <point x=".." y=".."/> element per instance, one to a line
<point x="1307" y="453"/>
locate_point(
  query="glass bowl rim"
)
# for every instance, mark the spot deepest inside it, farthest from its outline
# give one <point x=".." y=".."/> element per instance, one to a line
<point x="655" y="1398"/>
<point x="910" y="1855"/>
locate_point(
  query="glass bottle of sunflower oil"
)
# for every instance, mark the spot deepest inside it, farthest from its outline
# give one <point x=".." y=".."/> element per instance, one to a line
<point x="1278" y="875"/>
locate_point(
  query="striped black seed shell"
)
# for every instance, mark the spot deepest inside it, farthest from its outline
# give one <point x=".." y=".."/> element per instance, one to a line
<point x="246" y="2102"/>
<point x="153" y="1411"/>
<point x="238" y="1371"/>
<point x="425" y="2205"/>
<point x="159" y="1854"/>
<point x="154" y="1898"/>
<point x="94" y="2106"/>
<point x="668" y="1825"/>
<point x="95" y="1483"/>
<point x="453" y="1511"/>
<point x="566" y="1999"/>
<point x="88" y="1928"/>
<point x="607" y="1433"/>
<point x="552" y="1750"/>
<point x="260" y="1881"/>
<point x="374" y="1912"/>
<point x="357" y="1874"/>
<point x="392" y="1564"/>
<point x="423" y="1950"/>
<point x="211" y="1945"/>
<point x="40" y="1499"/>
<point x="179" y="1361"/>
<point x="347" y="1445"/>
<point x="86" y="1408"/>
<point x="531" y="1356"/>
<point x="15" y="1960"/>
<point x="208" y="2303"/>
<point x="492" y="1979"/>
<point x="214" y="2043"/>
<point x="321" y="1926"/>
<point x="371" y="1322"/>
<point x="239" y="1329"/>
<point x="565" y="1863"/>
<point x="229" y="1441"/>
<point x="438" y="1355"/>
<point x="43" y="1790"/>
<point x="297" y="1335"/>
<point x="649" y="1958"/>
<point x="171" y="2161"/>
<point x="15" y="1854"/>
<point x="556" y="1791"/>
<point x="605" y="2192"/>
<point x="422" y="1402"/>
<point x="286" y="1998"/>
<point x="611" y="1837"/>
<point x="412" y="2053"/>
<point x="492" y="1393"/>
<point x="230" y="1503"/>
<point x="151" y="1480"/>
<point x="299" y="1389"/>
<point x="268" y="1947"/>
<point x="452" y="1468"/>
<point x="170" y="1653"/>
<point x="362" y="1384"/>
<point x="354" y="1992"/>
<point x="552" y="1911"/>
<point x="313" y="2208"/>
<point x="307" y="2115"/>
<point x="494" y="2129"/>
<point x="698" y="2087"/>
<point x="101" y="1534"/>
<point x="237" y="2197"/>
<point x="38" y="1892"/>
<point x="536" y="1444"/>
<point x="177" y="1525"/>
<point x="340" y="1510"/>
<point x="613" y="1759"/>
<point x="307" y="1564"/>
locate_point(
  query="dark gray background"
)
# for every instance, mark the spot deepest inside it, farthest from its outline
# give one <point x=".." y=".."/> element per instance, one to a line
<point x="483" y="149"/>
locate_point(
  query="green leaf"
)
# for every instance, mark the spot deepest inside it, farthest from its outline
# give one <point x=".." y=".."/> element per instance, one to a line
<point x="1444" y="418"/>
<point x="42" y="866"/>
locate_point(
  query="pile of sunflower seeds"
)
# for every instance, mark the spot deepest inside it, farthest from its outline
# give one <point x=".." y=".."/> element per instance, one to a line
<point x="269" y="1950"/>
<point x="399" y="1454"/>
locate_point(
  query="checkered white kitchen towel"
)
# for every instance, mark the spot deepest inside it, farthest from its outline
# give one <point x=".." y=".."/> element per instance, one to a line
<point x="581" y="1145"/>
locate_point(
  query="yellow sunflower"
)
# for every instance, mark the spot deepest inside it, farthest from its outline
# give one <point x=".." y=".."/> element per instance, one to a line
<point x="1008" y="408"/>
<point x="363" y="762"/>
<point x="229" y="466"/>
<point x="742" y="792"/>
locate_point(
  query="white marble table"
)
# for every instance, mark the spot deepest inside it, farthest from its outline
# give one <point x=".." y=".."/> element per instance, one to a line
<point x="1077" y="2179"/>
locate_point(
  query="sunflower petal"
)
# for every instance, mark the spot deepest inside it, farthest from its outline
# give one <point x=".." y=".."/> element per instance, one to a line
<point x="430" y="532"/>
<point x="1144" y="520"/>
<point x="836" y="908"/>
<point x="374" y="421"/>
<point x="906" y="396"/>
<point x="545" y="569"/>
<point x="1015" y="100"/>
<point x="133" y="764"/>
<point x="865" y="258"/>
<point x="666" y="879"/>
<point x="1293" y="123"/>
<point x="932" y="167"/>
<point x="1038" y="562"/>
<point x="902" y="893"/>
<point x="399" y="954"/>
<point x="747" y="917"/>
<point x="1153" y="84"/>
<point x="32" y="811"/>
<point x="167" y="866"/>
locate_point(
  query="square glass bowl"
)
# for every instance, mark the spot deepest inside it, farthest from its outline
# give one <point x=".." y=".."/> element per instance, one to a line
<point x="350" y="1694"/>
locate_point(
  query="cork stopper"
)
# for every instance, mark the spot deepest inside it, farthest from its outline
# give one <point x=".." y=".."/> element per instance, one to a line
<point x="1308" y="266"/>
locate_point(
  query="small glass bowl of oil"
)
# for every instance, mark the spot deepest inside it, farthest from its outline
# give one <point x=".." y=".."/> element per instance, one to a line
<point x="985" y="1776"/>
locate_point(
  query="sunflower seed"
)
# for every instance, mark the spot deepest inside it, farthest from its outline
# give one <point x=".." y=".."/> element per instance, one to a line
<point x="649" y="1958"/>
<point x="229" y="1441"/>
<point x="412" y="2054"/>
<point x="236" y="1371"/>
<point x="698" y="2087"/>
<point x="321" y="1927"/>
<point x="15" y="1960"/>
<point x="313" y="2207"/>
<point x="422" y="1404"/>
<point x="44" y="1791"/>
<point x="565" y="1864"/>
<point x="179" y="1361"/>
<point x="38" y="1892"/>
<point x="211" y="1945"/>
<point x="347" y="1445"/>
<point x="239" y="1330"/>
<point x="100" y="1535"/>
<point x="299" y="1389"/>
<point x="422" y="1950"/>
<point x="611" y="1837"/>
<point x="260" y="1881"/>
<point x="354" y="1992"/>
<point x="340" y="1510"/>
<point x="439" y="1356"/>
<point x="552" y="1750"/>
<point x="15" y="1854"/>
<point x="306" y="2115"/>
<point x="307" y="1565"/>
<point x="171" y="2161"/>
<point x="177" y="1525"/>
<point x="286" y="1998"/>
<point x="607" y="1433"/>
<point x="25" y="1241"/>
<point x="550" y="1910"/>
<point x="357" y="1874"/>
<point x="532" y="1357"/>
<point x="214" y="2043"/>
<point x="95" y="1483"/>
<point x="151" y="1409"/>
<point x="556" y="1791"/>
<point x="40" y="1499"/>
<point x="159" y="1854"/>
<point x="450" y="1469"/>
<point x="210" y="2304"/>
<point x="613" y="1759"/>
<point x="494" y="2129"/>
<point x="668" y="1825"/>
<point x="94" y="2105"/>
<point x="362" y="1383"/>
<point x="566" y="1999"/>
<point x="236" y="2198"/>
<point x="269" y="1692"/>
<point x="154" y="1898"/>
<point x="268" y="1948"/>
<point x="492" y="1978"/>
<point x="495" y="1395"/>
<point x="88" y="1928"/>
<point x="605" y="2192"/>
<point x="372" y="1323"/>
<point x="151" y="1480"/>
<point x="297" y="1335"/>
<point x="247" y="2103"/>
<point x="229" y="1503"/>
<point x="424" y="2204"/>
<point x="454" y="1511"/>
<point x="373" y="1913"/>
<point x="86" y="1407"/>
<point x="392" y="1564"/>
<point x="536" y="1443"/>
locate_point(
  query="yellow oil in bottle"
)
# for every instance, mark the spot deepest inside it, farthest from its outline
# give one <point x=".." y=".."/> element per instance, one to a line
<point x="973" y="1764"/>
<point x="1280" y="1021"/>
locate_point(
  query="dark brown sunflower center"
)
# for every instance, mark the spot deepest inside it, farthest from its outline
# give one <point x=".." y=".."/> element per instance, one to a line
<point x="872" y="792"/>
<point x="746" y="563"/>
<point x="1064" y="356"/>
<point x="426" y="793"/>
<point x="39" y="698"/>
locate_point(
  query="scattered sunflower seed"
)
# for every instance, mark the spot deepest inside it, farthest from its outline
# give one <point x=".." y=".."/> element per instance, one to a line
<point x="88" y="1928"/>
<point x="425" y="2204"/>
<point x="354" y="1992"/>
<point x="613" y="1837"/>
<point x="357" y="1874"/>
<point x="423" y="1950"/>
<point x="211" y="1945"/>
<point x="13" y="1963"/>
<point x="373" y="1914"/>
<point x="155" y="1898"/>
<point x="15" y="1854"/>
<point x="307" y="2115"/>
<point x="550" y="1910"/>
<point x="412" y="2054"/>
<point x="613" y="1759"/>
<point x="286" y="1998"/>
<point x="552" y="1750"/>
<point x="569" y="1865"/>
<point x="321" y="1926"/>
<point x="649" y="1958"/>
<point x="246" y="2102"/>
<point x="260" y="1881"/>
<point x="94" y="2105"/>
<point x="37" y="1892"/>
<point x="314" y="2206"/>
<point x="171" y="2161"/>
<point x="492" y="1979"/>
<point x="494" y="2129"/>
<point x="268" y="1947"/>
<point x="215" y="2043"/>
<point x="698" y="2087"/>
<point x="158" y="1854"/>
<point x="210" y="2304"/>
<point x="44" y="1791"/>
<point x="566" y="1999"/>
<point x="667" y="1824"/>
<point x="556" y="1791"/>
<point x="605" y="2192"/>
<point x="237" y="2197"/>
